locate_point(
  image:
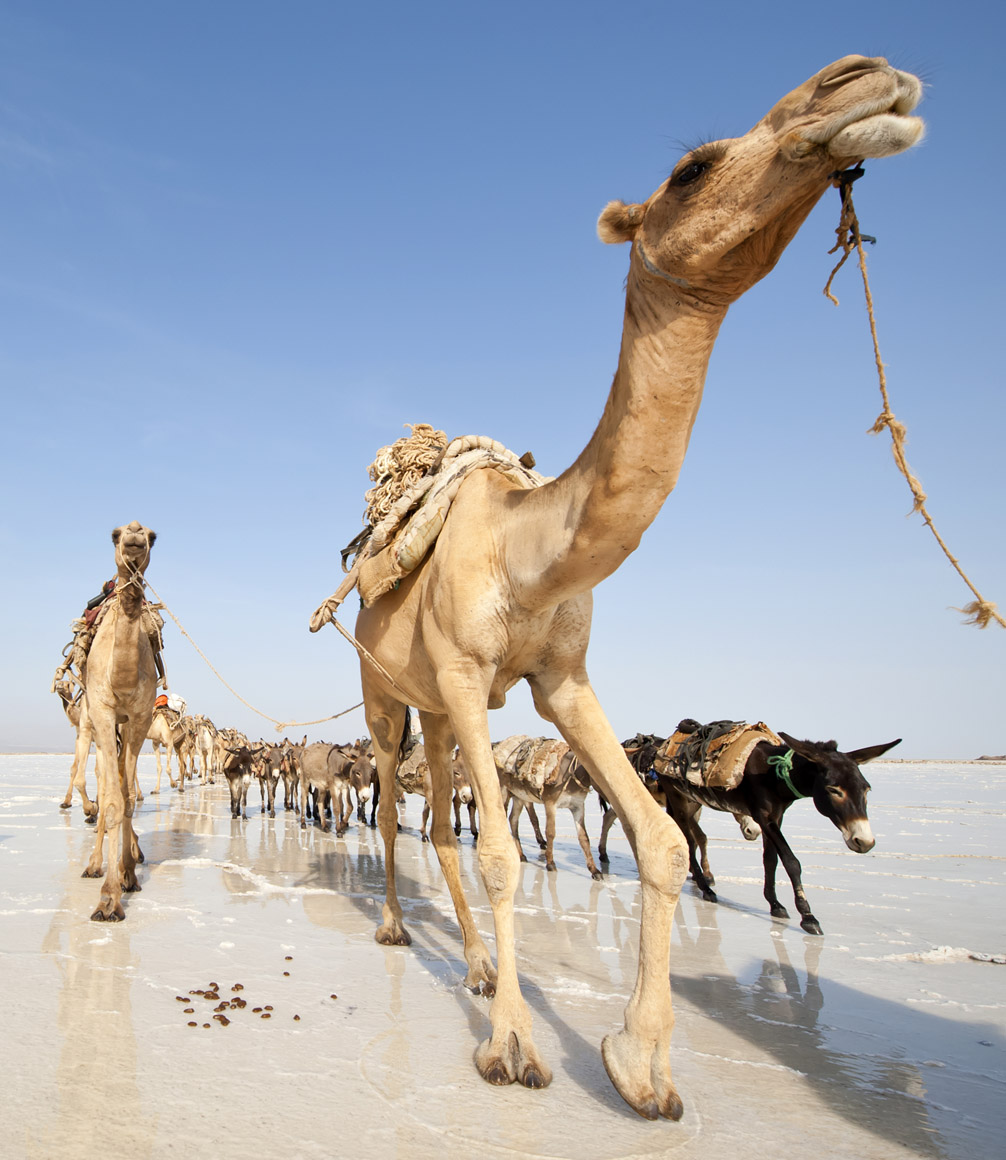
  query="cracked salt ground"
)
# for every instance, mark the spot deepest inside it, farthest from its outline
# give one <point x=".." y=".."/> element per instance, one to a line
<point x="882" y="1039"/>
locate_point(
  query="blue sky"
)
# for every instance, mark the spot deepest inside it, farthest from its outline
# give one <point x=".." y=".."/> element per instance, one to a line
<point x="244" y="243"/>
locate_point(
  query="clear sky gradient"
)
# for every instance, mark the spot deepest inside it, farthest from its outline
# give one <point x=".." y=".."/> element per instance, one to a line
<point x="243" y="243"/>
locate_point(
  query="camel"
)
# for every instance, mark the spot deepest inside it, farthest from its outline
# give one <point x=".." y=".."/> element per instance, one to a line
<point x="164" y="732"/>
<point x="504" y="594"/>
<point x="120" y="684"/>
<point x="204" y="734"/>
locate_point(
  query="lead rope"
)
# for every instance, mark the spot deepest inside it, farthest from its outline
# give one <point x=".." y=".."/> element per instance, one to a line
<point x="281" y="726"/>
<point x="980" y="611"/>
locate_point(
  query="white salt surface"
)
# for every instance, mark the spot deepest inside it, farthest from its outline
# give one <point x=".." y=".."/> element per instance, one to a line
<point x="882" y="1039"/>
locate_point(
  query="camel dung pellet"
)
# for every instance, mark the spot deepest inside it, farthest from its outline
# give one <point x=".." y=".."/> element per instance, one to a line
<point x="296" y="1018"/>
<point x="288" y="959"/>
<point x="238" y="987"/>
<point x="193" y="1024"/>
<point x="266" y="1015"/>
<point x="267" y="1007"/>
<point x="206" y="1025"/>
<point x="286" y="974"/>
<point x="214" y="986"/>
<point x="189" y="1011"/>
<point x="333" y="996"/>
<point x="256" y="1010"/>
<point x="182" y="998"/>
<point x="222" y="1020"/>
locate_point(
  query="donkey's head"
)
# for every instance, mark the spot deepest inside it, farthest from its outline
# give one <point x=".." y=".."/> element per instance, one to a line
<point x="840" y="789"/>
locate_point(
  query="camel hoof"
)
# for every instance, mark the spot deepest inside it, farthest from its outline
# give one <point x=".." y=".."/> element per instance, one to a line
<point x="89" y="873"/>
<point x="393" y="935"/>
<point x="497" y="1075"/>
<point x="532" y="1078"/>
<point x="597" y="876"/>
<point x="91" y="819"/>
<point x="131" y="887"/>
<point x="811" y="925"/>
<point x="116" y="915"/>
<point x="154" y="791"/>
<point x="549" y="865"/>
<point x="631" y="1068"/>
<point x="65" y="805"/>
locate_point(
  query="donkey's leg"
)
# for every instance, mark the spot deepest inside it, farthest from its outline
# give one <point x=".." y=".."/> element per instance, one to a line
<point x="794" y="870"/>
<point x="607" y="821"/>
<point x="549" y="805"/>
<point x="637" y="1058"/>
<point x="516" y="809"/>
<point x="533" y="815"/>
<point x="576" y="809"/>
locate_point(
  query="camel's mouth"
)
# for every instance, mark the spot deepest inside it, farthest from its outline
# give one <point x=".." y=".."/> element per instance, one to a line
<point x="877" y="126"/>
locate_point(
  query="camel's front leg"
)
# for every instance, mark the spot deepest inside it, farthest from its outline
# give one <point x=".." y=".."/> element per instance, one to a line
<point x="113" y="808"/>
<point x="509" y="1054"/>
<point x="132" y="739"/>
<point x="439" y="743"/>
<point x="637" y="1057"/>
<point x="386" y="721"/>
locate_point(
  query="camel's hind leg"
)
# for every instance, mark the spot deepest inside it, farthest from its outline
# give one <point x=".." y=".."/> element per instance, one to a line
<point x="439" y="741"/>
<point x="78" y="770"/>
<point x="637" y="1057"/>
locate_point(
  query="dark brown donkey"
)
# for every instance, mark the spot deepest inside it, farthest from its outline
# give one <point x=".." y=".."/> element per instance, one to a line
<point x="776" y="776"/>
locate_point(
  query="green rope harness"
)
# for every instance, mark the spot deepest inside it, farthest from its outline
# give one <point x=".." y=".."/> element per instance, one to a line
<point x="783" y="765"/>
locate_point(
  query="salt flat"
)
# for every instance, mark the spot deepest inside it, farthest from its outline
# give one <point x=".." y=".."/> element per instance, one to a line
<point x="882" y="1039"/>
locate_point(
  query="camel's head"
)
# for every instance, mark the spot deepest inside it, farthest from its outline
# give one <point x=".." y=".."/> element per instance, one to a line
<point x="721" y="220"/>
<point x="132" y="547"/>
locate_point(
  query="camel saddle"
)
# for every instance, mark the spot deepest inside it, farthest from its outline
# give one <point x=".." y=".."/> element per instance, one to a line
<point x="712" y="755"/>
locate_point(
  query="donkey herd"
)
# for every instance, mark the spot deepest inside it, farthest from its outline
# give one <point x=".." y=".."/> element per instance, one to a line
<point x="326" y="784"/>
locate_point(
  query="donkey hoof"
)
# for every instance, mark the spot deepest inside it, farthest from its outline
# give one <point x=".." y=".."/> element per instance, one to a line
<point x="811" y="925"/>
<point x="779" y="911"/>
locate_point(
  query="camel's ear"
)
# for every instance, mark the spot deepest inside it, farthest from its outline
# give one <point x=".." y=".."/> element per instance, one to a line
<point x="872" y="752"/>
<point x="151" y="538"/>
<point x="618" y="222"/>
<point x="116" y="533"/>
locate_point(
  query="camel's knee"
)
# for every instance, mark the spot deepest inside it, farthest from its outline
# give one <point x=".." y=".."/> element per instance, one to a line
<point x="500" y="867"/>
<point x="662" y="855"/>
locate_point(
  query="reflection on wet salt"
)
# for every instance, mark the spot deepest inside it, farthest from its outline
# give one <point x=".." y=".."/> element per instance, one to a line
<point x="872" y="1035"/>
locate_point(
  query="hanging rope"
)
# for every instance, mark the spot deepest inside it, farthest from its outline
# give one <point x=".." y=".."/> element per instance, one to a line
<point x="980" y="611"/>
<point x="281" y="726"/>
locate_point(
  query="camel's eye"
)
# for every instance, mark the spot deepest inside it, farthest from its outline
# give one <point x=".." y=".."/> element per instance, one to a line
<point x="691" y="172"/>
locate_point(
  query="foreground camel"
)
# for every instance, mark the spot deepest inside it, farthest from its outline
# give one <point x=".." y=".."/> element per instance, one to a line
<point x="120" y="685"/>
<point x="504" y="594"/>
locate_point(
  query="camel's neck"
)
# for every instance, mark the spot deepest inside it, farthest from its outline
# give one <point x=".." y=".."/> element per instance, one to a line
<point x="593" y="515"/>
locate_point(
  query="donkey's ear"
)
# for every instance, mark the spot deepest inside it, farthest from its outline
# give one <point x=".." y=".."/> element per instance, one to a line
<point x="806" y="749"/>
<point x="871" y="752"/>
<point x="618" y="222"/>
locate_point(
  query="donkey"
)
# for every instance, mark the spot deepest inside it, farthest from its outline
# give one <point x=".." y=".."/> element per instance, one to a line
<point x="775" y="776"/>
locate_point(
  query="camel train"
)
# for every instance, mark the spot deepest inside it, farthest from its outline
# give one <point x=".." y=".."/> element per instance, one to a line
<point x="475" y="572"/>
